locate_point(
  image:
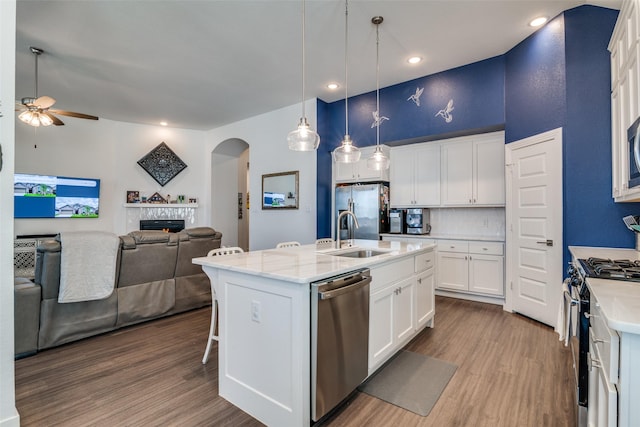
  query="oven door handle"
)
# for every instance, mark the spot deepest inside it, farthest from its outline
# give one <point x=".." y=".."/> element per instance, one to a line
<point x="573" y="301"/>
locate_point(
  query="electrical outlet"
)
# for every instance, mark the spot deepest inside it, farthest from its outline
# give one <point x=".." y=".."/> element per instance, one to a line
<point x="256" y="314"/>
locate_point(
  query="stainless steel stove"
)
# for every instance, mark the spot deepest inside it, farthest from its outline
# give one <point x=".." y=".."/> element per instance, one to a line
<point x="604" y="268"/>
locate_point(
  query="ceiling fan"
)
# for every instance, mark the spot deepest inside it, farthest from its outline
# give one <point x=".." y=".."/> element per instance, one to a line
<point x="37" y="111"/>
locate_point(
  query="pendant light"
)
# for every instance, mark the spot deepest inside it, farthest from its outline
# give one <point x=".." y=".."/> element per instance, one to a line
<point x="346" y="152"/>
<point x="304" y="138"/>
<point x="378" y="160"/>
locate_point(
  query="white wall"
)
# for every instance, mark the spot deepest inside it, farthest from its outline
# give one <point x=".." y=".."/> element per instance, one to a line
<point x="268" y="153"/>
<point x="8" y="414"/>
<point x="108" y="150"/>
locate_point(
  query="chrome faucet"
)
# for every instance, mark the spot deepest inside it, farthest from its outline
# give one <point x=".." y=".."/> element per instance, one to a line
<point x="355" y="220"/>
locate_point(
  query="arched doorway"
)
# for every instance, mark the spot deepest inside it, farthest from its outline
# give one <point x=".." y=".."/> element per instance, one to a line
<point x="229" y="192"/>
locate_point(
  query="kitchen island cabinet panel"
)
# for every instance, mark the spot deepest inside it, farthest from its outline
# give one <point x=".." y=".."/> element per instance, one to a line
<point x="425" y="298"/>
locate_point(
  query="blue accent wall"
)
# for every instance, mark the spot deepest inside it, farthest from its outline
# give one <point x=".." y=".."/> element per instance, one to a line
<point x="535" y="83"/>
<point x="591" y="218"/>
<point x="557" y="77"/>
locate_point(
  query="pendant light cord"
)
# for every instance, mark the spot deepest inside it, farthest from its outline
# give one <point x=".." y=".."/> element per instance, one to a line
<point x="346" y="73"/>
<point x="378" y="84"/>
<point x="303" y="58"/>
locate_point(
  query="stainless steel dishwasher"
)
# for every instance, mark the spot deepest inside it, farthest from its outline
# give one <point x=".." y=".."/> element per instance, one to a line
<point x="339" y="339"/>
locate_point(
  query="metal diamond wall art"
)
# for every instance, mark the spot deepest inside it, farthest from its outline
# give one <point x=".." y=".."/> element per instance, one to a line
<point x="162" y="164"/>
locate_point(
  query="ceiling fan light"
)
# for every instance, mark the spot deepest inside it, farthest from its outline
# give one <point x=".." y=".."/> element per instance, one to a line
<point x="347" y="152"/>
<point x="26" y="116"/>
<point x="45" y="120"/>
<point x="303" y="138"/>
<point x="378" y="160"/>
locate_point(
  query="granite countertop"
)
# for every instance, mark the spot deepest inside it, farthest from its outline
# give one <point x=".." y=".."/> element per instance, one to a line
<point x="619" y="300"/>
<point x="442" y="236"/>
<point x="309" y="263"/>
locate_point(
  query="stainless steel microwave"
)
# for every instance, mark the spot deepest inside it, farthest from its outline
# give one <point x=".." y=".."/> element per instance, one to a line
<point x="633" y="137"/>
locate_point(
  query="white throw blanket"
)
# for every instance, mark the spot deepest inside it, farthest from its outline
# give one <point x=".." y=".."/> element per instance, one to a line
<point x="87" y="265"/>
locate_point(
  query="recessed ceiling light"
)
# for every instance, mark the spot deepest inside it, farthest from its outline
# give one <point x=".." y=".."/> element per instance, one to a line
<point x="163" y="123"/>
<point x="333" y="86"/>
<point x="538" y="21"/>
<point x="414" y="60"/>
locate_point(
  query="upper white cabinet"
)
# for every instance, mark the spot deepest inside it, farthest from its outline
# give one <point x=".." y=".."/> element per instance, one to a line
<point x="473" y="171"/>
<point x="624" y="97"/>
<point x="359" y="172"/>
<point x="415" y="175"/>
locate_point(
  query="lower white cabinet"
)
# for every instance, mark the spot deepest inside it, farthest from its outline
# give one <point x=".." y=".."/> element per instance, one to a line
<point x="425" y="297"/>
<point x="399" y="307"/>
<point x="469" y="266"/>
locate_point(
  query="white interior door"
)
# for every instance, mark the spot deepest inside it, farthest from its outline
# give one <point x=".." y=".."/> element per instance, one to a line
<point x="534" y="226"/>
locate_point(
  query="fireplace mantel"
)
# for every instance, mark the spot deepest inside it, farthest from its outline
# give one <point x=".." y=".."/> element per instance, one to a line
<point x="138" y="211"/>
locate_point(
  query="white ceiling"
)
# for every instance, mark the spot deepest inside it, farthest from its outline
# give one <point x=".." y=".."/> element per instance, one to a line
<point x="203" y="64"/>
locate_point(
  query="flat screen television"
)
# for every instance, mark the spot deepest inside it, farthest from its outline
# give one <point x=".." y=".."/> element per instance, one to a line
<point x="45" y="196"/>
<point x="270" y="199"/>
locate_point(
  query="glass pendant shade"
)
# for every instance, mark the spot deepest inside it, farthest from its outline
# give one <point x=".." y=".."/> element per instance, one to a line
<point x="346" y="152"/>
<point x="304" y="138"/>
<point x="378" y="160"/>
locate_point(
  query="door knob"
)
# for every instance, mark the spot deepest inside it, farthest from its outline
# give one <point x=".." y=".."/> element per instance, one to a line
<point x="547" y="242"/>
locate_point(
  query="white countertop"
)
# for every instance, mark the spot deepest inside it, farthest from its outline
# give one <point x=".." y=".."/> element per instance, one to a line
<point x="447" y="237"/>
<point x="309" y="263"/>
<point x="619" y="300"/>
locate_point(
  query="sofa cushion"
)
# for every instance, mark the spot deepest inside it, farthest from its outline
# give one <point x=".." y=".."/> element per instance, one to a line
<point x="147" y="256"/>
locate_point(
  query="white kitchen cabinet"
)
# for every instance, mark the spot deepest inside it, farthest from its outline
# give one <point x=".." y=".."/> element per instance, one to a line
<point x="399" y="306"/>
<point x="625" y="98"/>
<point x="391" y="319"/>
<point x="453" y="271"/>
<point x="359" y="172"/>
<point x="415" y="175"/>
<point x="404" y="311"/>
<point x="471" y="266"/>
<point x="472" y="171"/>
<point x="425" y="297"/>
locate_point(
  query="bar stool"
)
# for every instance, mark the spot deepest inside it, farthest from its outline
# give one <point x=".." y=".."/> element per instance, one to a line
<point x="287" y="245"/>
<point x="214" y="301"/>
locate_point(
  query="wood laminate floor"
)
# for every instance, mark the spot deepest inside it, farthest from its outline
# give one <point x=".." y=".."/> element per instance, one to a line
<point x="512" y="371"/>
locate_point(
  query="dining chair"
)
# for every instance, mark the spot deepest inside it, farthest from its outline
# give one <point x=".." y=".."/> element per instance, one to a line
<point x="287" y="245"/>
<point x="214" y="301"/>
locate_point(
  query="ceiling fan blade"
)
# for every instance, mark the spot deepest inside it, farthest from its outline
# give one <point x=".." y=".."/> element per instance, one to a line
<point x="44" y="102"/>
<point x="56" y="121"/>
<point x="72" y="114"/>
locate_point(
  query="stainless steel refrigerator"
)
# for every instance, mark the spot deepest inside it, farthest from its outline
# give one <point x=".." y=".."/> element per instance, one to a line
<point x="369" y="203"/>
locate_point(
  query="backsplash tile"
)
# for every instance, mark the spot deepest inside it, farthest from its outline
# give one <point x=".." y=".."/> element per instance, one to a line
<point x="472" y="222"/>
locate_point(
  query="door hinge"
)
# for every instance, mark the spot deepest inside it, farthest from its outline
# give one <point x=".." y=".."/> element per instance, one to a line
<point x="511" y="285"/>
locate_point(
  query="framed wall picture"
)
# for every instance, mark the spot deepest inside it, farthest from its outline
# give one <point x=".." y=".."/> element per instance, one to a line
<point x="133" y="197"/>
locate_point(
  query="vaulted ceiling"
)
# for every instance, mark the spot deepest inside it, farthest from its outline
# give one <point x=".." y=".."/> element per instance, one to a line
<point x="203" y="64"/>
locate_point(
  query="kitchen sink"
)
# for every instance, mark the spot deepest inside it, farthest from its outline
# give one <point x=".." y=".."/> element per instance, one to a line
<point x="359" y="253"/>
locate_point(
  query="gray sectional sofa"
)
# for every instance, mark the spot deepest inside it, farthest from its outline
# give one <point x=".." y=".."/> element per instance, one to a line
<point x="154" y="278"/>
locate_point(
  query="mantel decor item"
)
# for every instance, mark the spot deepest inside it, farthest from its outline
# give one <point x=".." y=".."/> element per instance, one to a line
<point x="162" y="164"/>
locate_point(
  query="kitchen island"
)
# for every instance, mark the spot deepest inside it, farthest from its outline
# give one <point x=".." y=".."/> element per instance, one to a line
<point x="264" y="300"/>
